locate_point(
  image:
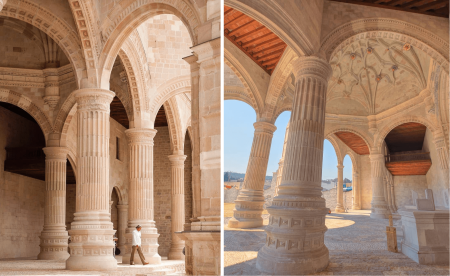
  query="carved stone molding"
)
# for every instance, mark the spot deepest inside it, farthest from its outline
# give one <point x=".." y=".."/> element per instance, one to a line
<point x="312" y="66"/>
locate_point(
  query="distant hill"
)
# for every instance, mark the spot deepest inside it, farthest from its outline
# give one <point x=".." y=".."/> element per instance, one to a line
<point x="236" y="176"/>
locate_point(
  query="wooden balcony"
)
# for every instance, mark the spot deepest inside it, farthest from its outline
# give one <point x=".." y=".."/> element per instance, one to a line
<point x="30" y="161"/>
<point x="411" y="163"/>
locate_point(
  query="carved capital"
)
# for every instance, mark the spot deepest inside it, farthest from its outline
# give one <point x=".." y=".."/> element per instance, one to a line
<point x="93" y="99"/>
<point x="313" y="67"/>
<point x="56" y="153"/>
<point x="177" y="160"/>
<point x="140" y="136"/>
<point x="51" y="101"/>
<point x="265" y="127"/>
<point x="207" y="50"/>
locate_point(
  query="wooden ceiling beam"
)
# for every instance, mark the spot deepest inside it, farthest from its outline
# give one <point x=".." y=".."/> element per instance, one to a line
<point x="415" y="3"/>
<point x="240" y="38"/>
<point x="245" y="44"/>
<point x="248" y="24"/>
<point x="276" y="46"/>
<point x="235" y="20"/>
<point x="380" y="1"/>
<point x="434" y="5"/>
<point x="263" y="43"/>
<point x="268" y="61"/>
<point x="227" y="12"/>
<point x="270" y="54"/>
<point x="397" y="2"/>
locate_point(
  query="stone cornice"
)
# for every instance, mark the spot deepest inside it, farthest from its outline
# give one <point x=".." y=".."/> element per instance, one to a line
<point x="20" y="77"/>
<point x="207" y="50"/>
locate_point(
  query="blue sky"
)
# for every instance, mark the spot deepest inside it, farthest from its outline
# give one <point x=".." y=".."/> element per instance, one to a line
<point x="238" y="136"/>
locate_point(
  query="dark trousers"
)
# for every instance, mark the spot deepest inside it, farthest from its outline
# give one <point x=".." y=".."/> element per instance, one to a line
<point x="133" y="249"/>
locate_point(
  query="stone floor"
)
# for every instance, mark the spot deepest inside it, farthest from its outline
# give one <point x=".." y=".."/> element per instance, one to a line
<point x="356" y="242"/>
<point x="38" y="267"/>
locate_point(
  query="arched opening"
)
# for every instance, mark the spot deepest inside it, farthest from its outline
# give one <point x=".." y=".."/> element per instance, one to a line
<point x="188" y="188"/>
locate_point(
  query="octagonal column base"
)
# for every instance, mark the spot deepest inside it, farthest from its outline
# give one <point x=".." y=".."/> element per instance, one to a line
<point x="248" y="209"/>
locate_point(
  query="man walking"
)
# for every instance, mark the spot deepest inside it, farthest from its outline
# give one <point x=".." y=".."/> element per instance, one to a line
<point x="136" y="244"/>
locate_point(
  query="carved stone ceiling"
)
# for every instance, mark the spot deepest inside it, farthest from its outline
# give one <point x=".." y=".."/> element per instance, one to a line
<point x="372" y="75"/>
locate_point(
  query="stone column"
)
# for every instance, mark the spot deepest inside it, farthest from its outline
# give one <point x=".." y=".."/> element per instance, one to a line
<point x="121" y="226"/>
<point x="295" y="234"/>
<point x="54" y="237"/>
<point x="250" y="202"/>
<point x="140" y="195"/>
<point x="203" y="239"/>
<point x="379" y="205"/>
<point x="2" y="3"/>
<point x="92" y="231"/>
<point x="178" y="214"/>
<point x="356" y="190"/>
<point x="281" y="163"/>
<point x="443" y="155"/>
<point x="340" y="190"/>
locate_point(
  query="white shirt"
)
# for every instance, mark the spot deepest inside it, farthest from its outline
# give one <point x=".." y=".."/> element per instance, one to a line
<point x="136" y="238"/>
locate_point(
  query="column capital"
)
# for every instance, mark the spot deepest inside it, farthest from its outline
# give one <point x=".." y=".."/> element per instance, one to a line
<point x="340" y="167"/>
<point x="207" y="50"/>
<point x="93" y="99"/>
<point x="376" y="157"/>
<point x="122" y="207"/>
<point x="312" y="66"/>
<point x="265" y="126"/>
<point x="57" y="153"/>
<point x="140" y="135"/>
<point x="177" y="160"/>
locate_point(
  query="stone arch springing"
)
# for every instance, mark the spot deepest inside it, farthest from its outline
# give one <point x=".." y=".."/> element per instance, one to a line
<point x="133" y="14"/>
<point x="51" y="25"/>
<point x="27" y="104"/>
<point x="174" y="123"/>
<point x="246" y="80"/>
<point x="366" y="137"/>
<point x="337" y="149"/>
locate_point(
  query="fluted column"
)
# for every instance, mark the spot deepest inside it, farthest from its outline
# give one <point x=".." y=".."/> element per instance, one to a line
<point x="281" y="163"/>
<point x="121" y="226"/>
<point x="356" y="205"/>
<point x="295" y="234"/>
<point x="140" y="195"/>
<point x="54" y="237"/>
<point x="2" y="3"/>
<point x="250" y="201"/>
<point x="178" y="214"/>
<point x="92" y="244"/>
<point x="340" y="190"/>
<point x="379" y="205"/>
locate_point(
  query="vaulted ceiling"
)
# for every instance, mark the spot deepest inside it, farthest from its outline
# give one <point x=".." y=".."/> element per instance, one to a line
<point x="429" y="7"/>
<point x="253" y="38"/>
<point x="353" y="141"/>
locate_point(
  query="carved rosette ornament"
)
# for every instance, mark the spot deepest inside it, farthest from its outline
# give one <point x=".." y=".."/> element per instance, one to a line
<point x="91" y="233"/>
<point x="178" y="212"/>
<point x="54" y="237"/>
<point x="249" y="205"/>
<point x="379" y="205"/>
<point x="295" y="234"/>
<point x="140" y="195"/>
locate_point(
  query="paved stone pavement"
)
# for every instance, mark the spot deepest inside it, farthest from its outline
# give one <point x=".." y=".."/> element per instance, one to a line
<point x="28" y="266"/>
<point x="356" y="242"/>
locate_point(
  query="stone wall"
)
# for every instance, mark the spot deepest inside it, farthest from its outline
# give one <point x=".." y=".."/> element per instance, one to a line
<point x="331" y="199"/>
<point x="404" y="184"/>
<point x="21" y="197"/>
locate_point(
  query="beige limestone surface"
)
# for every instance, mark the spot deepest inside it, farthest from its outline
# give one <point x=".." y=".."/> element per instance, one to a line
<point x="357" y="245"/>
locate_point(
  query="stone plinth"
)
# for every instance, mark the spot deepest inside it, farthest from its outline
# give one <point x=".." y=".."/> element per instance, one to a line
<point x="54" y="237"/>
<point x="296" y="229"/>
<point x="425" y="236"/>
<point x="91" y="233"/>
<point x="202" y="252"/>
<point x="250" y="202"/>
<point x="140" y="196"/>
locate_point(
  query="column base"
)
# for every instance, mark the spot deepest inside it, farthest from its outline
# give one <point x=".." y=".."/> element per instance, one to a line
<point x="271" y="262"/>
<point x="202" y="252"/>
<point x="176" y="252"/>
<point x="149" y="246"/>
<point x="92" y="244"/>
<point x="248" y="209"/>
<point x="54" y="246"/>
<point x="339" y="209"/>
<point x="356" y="207"/>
